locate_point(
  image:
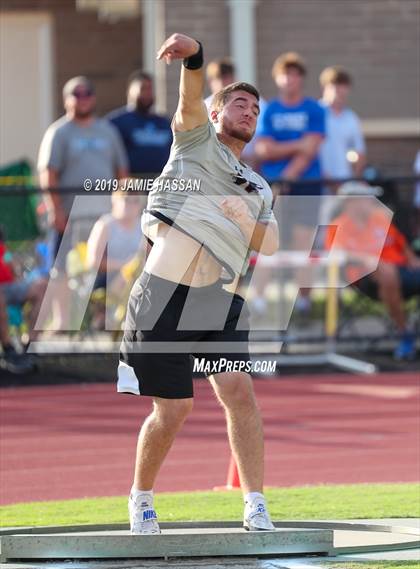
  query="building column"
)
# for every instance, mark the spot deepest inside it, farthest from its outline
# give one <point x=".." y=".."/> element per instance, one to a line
<point x="243" y="38"/>
<point x="153" y="12"/>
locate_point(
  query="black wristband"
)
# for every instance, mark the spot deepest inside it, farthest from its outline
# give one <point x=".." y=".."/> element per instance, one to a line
<point x="194" y="61"/>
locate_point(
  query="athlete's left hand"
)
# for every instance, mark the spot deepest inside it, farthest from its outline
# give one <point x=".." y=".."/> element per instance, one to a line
<point x="235" y="208"/>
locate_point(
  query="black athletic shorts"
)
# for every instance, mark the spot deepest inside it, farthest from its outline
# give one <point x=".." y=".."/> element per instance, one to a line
<point x="156" y="308"/>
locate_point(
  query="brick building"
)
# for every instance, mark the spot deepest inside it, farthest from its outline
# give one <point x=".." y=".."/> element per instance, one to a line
<point x="44" y="42"/>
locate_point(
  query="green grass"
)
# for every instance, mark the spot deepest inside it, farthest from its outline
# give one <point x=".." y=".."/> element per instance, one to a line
<point x="299" y="503"/>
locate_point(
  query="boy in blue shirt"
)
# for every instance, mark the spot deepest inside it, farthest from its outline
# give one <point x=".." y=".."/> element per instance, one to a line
<point x="290" y="131"/>
<point x="291" y="128"/>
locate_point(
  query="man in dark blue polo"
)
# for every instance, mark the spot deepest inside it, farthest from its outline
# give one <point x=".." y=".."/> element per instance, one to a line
<point x="147" y="136"/>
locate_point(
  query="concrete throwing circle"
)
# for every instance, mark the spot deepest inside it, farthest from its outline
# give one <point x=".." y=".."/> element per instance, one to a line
<point x="203" y="539"/>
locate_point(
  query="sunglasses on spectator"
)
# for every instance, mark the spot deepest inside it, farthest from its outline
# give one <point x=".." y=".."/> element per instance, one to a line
<point x="82" y="94"/>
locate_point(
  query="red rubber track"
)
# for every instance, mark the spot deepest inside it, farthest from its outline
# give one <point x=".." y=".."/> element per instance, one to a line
<point x="75" y="441"/>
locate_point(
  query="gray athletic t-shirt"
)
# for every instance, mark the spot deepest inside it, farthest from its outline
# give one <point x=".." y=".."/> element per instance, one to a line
<point x="200" y="173"/>
<point x="95" y="152"/>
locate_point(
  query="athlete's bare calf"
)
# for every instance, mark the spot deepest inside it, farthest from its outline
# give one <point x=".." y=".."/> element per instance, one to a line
<point x="156" y="437"/>
<point x="236" y="394"/>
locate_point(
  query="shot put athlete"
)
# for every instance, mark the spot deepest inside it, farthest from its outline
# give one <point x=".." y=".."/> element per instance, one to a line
<point x="201" y="240"/>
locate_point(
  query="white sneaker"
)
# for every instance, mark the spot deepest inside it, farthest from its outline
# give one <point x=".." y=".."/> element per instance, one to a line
<point x="256" y="517"/>
<point x="143" y="518"/>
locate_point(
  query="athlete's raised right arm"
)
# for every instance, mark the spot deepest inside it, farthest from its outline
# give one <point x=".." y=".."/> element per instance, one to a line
<point x="191" y="111"/>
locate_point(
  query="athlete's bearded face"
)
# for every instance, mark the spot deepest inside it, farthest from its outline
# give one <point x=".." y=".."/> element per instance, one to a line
<point x="238" y="117"/>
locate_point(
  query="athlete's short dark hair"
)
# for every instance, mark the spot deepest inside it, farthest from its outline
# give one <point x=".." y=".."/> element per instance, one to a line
<point x="220" y="98"/>
<point x="138" y="75"/>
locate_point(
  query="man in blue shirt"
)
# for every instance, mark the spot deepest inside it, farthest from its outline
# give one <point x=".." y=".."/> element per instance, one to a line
<point x="147" y="136"/>
<point x="290" y="131"/>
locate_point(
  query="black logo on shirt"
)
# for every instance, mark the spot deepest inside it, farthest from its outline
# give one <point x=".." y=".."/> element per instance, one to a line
<point x="239" y="179"/>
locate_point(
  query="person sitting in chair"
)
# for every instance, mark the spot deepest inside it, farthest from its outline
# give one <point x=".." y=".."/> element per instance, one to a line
<point x="17" y="290"/>
<point x="363" y="226"/>
<point x="11" y="360"/>
<point x="119" y="233"/>
<point x="115" y="242"/>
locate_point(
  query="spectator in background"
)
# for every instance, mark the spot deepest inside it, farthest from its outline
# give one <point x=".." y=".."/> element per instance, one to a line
<point x="118" y="234"/>
<point x="364" y="226"/>
<point x="18" y="291"/>
<point x="10" y="359"/>
<point x="115" y="244"/>
<point x="343" y="152"/>
<point x="147" y="136"/>
<point x="76" y="147"/>
<point x="219" y="73"/>
<point x="417" y="196"/>
<point x="289" y="135"/>
<point x="417" y="173"/>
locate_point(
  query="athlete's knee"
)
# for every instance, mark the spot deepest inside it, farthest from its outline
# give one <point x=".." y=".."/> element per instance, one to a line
<point x="235" y="389"/>
<point x="172" y="411"/>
